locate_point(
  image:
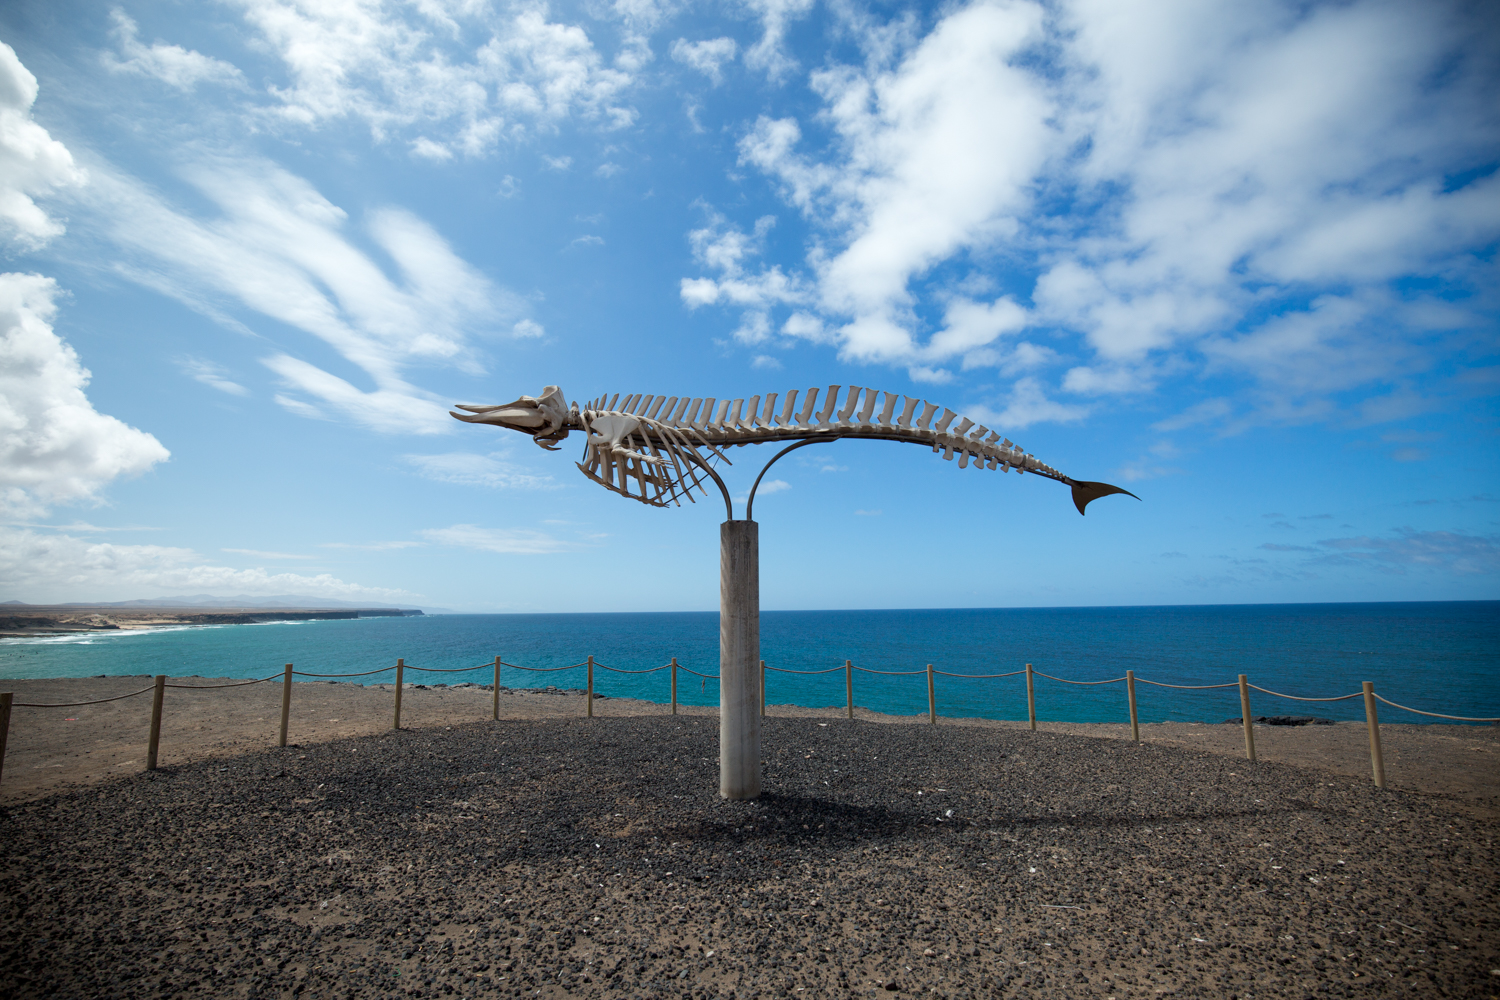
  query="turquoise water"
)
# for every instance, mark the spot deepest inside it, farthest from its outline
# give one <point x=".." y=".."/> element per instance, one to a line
<point x="1437" y="656"/>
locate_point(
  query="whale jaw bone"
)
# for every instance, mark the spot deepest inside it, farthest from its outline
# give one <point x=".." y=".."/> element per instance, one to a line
<point x="546" y="418"/>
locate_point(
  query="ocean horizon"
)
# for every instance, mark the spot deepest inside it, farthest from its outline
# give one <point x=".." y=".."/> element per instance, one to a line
<point x="1437" y="656"/>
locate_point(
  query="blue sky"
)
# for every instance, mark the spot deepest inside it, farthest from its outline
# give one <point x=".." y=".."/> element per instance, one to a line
<point x="1239" y="258"/>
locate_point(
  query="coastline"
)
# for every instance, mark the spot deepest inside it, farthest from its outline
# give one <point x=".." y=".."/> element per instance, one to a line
<point x="32" y="620"/>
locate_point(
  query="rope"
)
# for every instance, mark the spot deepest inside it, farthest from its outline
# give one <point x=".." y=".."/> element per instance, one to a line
<point x="1435" y="715"/>
<point x="77" y="704"/>
<point x="1066" y="681"/>
<point x="888" y="673"/>
<point x="712" y="677"/>
<point x="301" y="673"/>
<point x="1278" y="694"/>
<point x="622" y="670"/>
<point x="977" y="676"/>
<point x="237" y="684"/>
<point x="544" y="670"/>
<point x="447" y="670"/>
<point x="785" y="670"/>
<point x="1188" y="687"/>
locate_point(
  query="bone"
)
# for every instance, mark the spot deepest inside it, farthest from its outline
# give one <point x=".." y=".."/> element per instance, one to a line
<point x="768" y="418"/>
<point x="719" y="416"/>
<point x="851" y="399"/>
<point x="928" y="409"/>
<point x="706" y="418"/>
<point x="888" y="409"/>
<point x="906" y="412"/>
<point x="868" y="408"/>
<point x="691" y="416"/>
<point x="659" y="405"/>
<point x="963" y="460"/>
<point x="807" y="408"/>
<point x="963" y="428"/>
<point x="745" y="419"/>
<point x="788" y="409"/>
<point x="828" y="404"/>
<point x="942" y="425"/>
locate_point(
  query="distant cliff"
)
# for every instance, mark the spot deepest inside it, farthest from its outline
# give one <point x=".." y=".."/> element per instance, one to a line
<point x="23" y="620"/>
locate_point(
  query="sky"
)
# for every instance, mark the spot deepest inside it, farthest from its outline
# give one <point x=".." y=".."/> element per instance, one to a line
<point x="1237" y="258"/>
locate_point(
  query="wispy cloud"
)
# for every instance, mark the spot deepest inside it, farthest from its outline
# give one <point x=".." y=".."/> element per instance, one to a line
<point x="279" y="248"/>
<point x="258" y="554"/>
<point x="469" y="469"/>
<point x="503" y="541"/>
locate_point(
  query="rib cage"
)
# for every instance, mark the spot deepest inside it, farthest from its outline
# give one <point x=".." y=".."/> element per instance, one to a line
<point x="650" y="448"/>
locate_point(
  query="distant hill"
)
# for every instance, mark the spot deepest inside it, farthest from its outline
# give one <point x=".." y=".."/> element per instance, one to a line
<point x="240" y="601"/>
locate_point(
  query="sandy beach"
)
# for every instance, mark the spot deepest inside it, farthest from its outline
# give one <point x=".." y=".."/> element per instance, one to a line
<point x="548" y="854"/>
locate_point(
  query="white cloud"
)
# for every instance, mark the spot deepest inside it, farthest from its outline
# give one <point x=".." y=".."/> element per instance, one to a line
<point x="258" y="554"/>
<point x="53" y="567"/>
<point x="727" y="249"/>
<point x="370" y="546"/>
<point x="469" y="469"/>
<point x="1028" y="404"/>
<point x="279" y="247"/>
<point x="171" y="64"/>
<point x="210" y="374"/>
<point x="429" y="150"/>
<point x="558" y="162"/>
<point x="395" y="66"/>
<point x="933" y="158"/>
<point x="527" y="329"/>
<point x="32" y="163"/>
<point x="769" y="53"/>
<point x="1201" y="187"/>
<point x="506" y="542"/>
<point x="765" y="362"/>
<point x="1407" y="549"/>
<point x="54" y="446"/>
<point x="1241" y="153"/>
<point x="707" y="57"/>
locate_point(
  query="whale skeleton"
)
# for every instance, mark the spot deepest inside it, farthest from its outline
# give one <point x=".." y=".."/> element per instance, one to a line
<point x="655" y="449"/>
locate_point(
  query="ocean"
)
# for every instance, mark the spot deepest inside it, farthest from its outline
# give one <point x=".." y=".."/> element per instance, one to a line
<point x="1435" y="656"/>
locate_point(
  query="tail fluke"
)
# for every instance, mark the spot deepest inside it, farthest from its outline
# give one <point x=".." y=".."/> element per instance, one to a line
<point x="1084" y="492"/>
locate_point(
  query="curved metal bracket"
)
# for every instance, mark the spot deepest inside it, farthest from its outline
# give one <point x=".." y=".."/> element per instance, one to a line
<point x="750" y="503"/>
<point x="728" y="504"/>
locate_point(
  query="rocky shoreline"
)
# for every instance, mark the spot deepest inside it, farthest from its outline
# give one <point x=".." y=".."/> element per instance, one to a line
<point x="550" y="855"/>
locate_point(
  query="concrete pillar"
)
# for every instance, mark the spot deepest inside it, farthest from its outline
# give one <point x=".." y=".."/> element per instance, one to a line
<point x="739" y="659"/>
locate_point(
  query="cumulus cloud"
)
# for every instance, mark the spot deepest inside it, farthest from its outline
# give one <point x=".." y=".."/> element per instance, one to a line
<point x="503" y="541"/>
<point x="32" y="163"/>
<point x="54" y="446"/>
<point x="1299" y="197"/>
<point x="60" y="567"/>
<point x="769" y="53"/>
<point x="171" y="64"/>
<point x="396" y="67"/>
<point x="728" y="250"/>
<point x="707" y="57"/>
<point x="280" y="248"/>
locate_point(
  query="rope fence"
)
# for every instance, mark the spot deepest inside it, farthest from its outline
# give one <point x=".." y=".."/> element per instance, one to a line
<point x="159" y="686"/>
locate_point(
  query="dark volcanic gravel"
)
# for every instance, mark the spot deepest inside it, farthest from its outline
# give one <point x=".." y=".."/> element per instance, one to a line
<point x="595" y="858"/>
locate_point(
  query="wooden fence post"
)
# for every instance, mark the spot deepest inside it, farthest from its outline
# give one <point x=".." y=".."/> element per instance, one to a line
<point x="1030" y="698"/>
<point x="762" y="689"/>
<point x="400" y="673"/>
<point x="1245" y="718"/>
<point x="495" y="695"/>
<point x="849" y="686"/>
<point x="5" y="699"/>
<point x="1135" y="726"/>
<point x="591" y="687"/>
<point x="674" y="685"/>
<point x="286" y="703"/>
<point x="1377" y="762"/>
<point x="931" y="698"/>
<point x="156" y="696"/>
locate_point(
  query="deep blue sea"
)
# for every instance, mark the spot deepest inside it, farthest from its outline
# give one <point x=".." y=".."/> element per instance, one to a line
<point x="1436" y="656"/>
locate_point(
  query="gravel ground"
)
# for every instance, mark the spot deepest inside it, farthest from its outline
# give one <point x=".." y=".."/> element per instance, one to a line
<point x="570" y="857"/>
